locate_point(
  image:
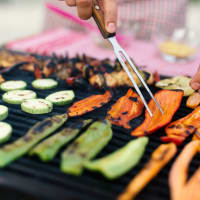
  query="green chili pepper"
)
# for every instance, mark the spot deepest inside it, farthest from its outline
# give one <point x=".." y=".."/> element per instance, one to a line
<point x="118" y="163"/>
<point x="15" y="150"/>
<point x="47" y="149"/>
<point x="85" y="147"/>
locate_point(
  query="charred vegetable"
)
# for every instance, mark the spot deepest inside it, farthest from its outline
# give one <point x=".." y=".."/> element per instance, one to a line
<point x="121" y="161"/>
<point x="160" y="157"/>
<point x="178" y="173"/>
<point x="87" y="146"/>
<point x="125" y="109"/>
<point x="15" y="150"/>
<point x="89" y="104"/>
<point x="47" y="149"/>
<point x="193" y="100"/>
<point x="177" y="83"/>
<point x="179" y="130"/>
<point x="169" y="102"/>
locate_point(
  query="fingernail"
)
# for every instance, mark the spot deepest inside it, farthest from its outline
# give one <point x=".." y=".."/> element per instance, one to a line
<point x="195" y="86"/>
<point x="111" y="27"/>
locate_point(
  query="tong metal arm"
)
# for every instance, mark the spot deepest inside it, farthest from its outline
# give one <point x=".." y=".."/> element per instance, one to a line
<point x="121" y="55"/>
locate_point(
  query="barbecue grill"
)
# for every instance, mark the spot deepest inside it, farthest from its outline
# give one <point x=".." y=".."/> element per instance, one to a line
<point x="29" y="178"/>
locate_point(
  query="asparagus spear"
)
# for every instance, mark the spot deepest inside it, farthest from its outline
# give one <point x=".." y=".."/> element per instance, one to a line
<point x="42" y="129"/>
<point x="47" y="149"/>
<point x="121" y="161"/>
<point x="87" y="146"/>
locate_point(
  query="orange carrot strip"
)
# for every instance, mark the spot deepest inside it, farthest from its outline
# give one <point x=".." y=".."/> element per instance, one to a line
<point x="191" y="190"/>
<point x="178" y="172"/>
<point x="160" y="157"/>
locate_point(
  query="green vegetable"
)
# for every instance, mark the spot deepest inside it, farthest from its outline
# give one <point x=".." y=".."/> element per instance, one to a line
<point x="13" y="85"/>
<point x="3" y="112"/>
<point x="87" y="146"/>
<point x="18" y="96"/>
<point x="118" y="163"/>
<point x="36" y="106"/>
<point x="47" y="149"/>
<point x="44" y="84"/>
<point x="176" y="83"/>
<point x="61" y="98"/>
<point x="5" y="133"/>
<point x="42" y="129"/>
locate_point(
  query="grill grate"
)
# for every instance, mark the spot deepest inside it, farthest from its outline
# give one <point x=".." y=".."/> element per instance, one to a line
<point x="29" y="178"/>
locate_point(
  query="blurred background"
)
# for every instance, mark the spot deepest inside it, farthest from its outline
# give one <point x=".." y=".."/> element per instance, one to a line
<point x="21" y="18"/>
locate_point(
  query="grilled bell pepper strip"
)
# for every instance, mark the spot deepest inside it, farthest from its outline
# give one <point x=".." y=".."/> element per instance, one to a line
<point x="85" y="147"/>
<point x="178" y="172"/>
<point x="118" y="163"/>
<point x="47" y="149"/>
<point x="125" y="109"/>
<point x="159" y="158"/>
<point x="193" y="100"/>
<point x="169" y="102"/>
<point x="89" y="104"/>
<point x="15" y="150"/>
<point x="179" y="130"/>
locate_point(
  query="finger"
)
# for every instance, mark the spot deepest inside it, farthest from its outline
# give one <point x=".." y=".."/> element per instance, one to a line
<point x="84" y="8"/>
<point x="195" y="83"/>
<point x="110" y="9"/>
<point x="71" y="2"/>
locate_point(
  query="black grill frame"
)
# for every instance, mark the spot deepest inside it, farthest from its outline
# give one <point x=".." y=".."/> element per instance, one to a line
<point x="29" y="178"/>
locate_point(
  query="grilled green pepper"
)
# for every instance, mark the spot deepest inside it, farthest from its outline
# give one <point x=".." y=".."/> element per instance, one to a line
<point x="118" y="163"/>
<point x="47" y="149"/>
<point x="85" y="147"/>
<point x="42" y="129"/>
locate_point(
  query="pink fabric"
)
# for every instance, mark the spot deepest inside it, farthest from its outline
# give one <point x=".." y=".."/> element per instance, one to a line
<point x="62" y="41"/>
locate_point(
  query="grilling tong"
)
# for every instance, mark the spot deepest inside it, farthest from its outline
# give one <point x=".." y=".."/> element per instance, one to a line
<point x="122" y="56"/>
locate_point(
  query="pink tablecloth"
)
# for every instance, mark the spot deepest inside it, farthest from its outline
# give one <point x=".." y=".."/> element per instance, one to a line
<point x="62" y="41"/>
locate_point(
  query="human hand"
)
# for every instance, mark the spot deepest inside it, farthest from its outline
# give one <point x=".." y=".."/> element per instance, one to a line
<point x="195" y="82"/>
<point x="84" y="9"/>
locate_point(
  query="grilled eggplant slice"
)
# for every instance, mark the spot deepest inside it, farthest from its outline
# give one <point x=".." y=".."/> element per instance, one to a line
<point x="87" y="146"/>
<point x="89" y="104"/>
<point x="169" y="101"/>
<point x="179" y="130"/>
<point x="193" y="100"/>
<point x="47" y="149"/>
<point x="125" y="109"/>
<point x="15" y="150"/>
<point x="121" y="161"/>
<point x="159" y="158"/>
<point x="177" y="83"/>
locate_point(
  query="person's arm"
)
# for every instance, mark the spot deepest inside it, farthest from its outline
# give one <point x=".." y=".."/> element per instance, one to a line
<point x="195" y="83"/>
<point x="84" y="9"/>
